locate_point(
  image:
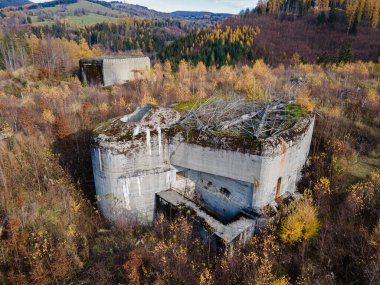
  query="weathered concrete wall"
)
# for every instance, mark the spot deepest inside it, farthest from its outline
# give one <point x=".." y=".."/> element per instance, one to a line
<point x="279" y="166"/>
<point x="129" y="174"/>
<point x="221" y="196"/>
<point x="129" y="169"/>
<point x="126" y="184"/>
<point x="239" y="231"/>
<point x="284" y="169"/>
<point x="118" y="71"/>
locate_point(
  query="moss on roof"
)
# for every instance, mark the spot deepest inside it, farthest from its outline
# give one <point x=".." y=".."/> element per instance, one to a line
<point x="209" y="134"/>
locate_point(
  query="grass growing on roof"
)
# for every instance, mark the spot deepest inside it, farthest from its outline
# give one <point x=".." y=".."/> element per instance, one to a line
<point x="295" y="111"/>
<point x="187" y="106"/>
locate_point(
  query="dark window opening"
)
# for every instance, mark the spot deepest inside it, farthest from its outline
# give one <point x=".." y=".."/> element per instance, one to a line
<point x="180" y="175"/>
<point x="225" y="192"/>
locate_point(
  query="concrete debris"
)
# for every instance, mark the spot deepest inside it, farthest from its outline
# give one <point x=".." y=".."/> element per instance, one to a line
<point x="238" y="117"/>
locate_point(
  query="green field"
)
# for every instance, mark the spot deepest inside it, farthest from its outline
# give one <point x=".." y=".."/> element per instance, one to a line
<point x="91" y="7"/>
<point x="35" y="21"/>
<point x="91" y="18"/>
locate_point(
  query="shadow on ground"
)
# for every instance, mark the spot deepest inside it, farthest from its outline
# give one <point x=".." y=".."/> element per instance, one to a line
<point x="75" y="157"/>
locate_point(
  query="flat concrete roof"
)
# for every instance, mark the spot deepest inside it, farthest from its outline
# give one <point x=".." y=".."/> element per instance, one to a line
<point x="227" y="232"/>
<point x="233" y="138"/>
<point x="113" y="57"/>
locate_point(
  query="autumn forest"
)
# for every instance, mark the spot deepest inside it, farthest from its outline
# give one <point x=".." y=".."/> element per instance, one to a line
<point x="51" y="231"/>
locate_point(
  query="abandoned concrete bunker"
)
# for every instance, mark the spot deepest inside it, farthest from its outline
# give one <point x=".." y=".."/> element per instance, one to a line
<point x="107" y="71"/>
<point x="222" y="162"/>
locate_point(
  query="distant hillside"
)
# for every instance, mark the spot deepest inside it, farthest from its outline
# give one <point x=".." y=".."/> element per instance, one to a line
<point x="198" y="14"/>
<point x="206" y="17"/>
<point x="278" y="39"/>
<point x="201" y="19"/>
<point x="100" y="23"/>
<point x="53" y="3"/>
<point x="78" y="12"/>
<point x="138" y="11"/>
<point x="89" y="12"/>
<point x="7" y="3"/>
<point x="288" y="32"/>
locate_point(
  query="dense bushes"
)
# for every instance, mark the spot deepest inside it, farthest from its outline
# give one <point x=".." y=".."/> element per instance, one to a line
<point x="57" y="57"/>
<point x="51" y="231"/>
<point x="46" y="224"/>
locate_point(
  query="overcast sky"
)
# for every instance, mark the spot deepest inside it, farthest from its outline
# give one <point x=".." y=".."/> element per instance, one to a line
<point x="225" y="6"/>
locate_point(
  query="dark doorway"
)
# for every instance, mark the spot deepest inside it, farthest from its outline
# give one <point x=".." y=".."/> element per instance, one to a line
<point x="278" y="189"/>
<point x="91" y="72"/>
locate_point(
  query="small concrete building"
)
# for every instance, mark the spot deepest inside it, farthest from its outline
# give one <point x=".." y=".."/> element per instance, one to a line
<point x="224" y="162"/>
<point x="107" y="71"/>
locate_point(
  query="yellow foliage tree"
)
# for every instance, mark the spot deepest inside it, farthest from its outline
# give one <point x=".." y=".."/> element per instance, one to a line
<point x="304" y="100"/>
<point x="57" y="54"/>
<point x="302" y="222"/>
<point x="373" y="97"/>
<point x="182" y="88"/>
<point x="206" y="277"/>
<point x="103" y="107"/>
<point x="168" y="70"/>
<point x="146" y="96"/>
<point x="48" y="116"/>
<point x="262" y="71"/>
<point x="168" y="90"/>
<point x="226" y="77"/>
<point x="200" y="77"/>
<point x="157" y="70"/>
<point x="372" y="11"/>
<point x="375" y="237"/>
<point x="282" y="281"/>
<point x="183" y="73"/>
<point x="247" y="83"/>
<point x="324" y="4"/>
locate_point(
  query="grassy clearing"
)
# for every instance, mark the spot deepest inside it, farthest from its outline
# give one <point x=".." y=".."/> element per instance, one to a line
<point x="187" y="106"/>
<point x="87" y="20"/>
<point x="91" y="7"/>
<point x="88" y="6"/>
<point x="90" y="19"/>
<point x="364" y="165"/>
<point x="35" y="21"/>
